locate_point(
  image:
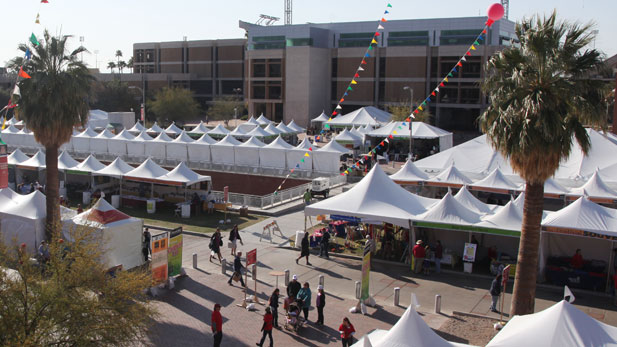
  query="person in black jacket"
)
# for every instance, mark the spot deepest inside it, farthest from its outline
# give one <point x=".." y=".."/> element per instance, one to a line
<point x="305" y="249"/>
<point x="325" y="244"/>
<point x="495" y="292"/>
<point x="237" y="270"/>
<point x="274" y="306"/>
<point x="320" y="302"/>
<point x="234" y="237"/>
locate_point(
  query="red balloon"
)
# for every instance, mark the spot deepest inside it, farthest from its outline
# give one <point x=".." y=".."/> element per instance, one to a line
<point x="495" y="12"/>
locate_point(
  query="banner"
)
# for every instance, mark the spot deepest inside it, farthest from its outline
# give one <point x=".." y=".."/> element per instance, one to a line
<point x="159" y="258"/>
<point x="226" y="193"/>
<point x="174" y="252"/>
<point x="251" y="257"/>
<point x="469" y="253"/>
<point x="4" y="166"/>
<point x="366" y="272"/>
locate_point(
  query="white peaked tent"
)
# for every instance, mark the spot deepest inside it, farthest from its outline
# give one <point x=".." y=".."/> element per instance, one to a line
<point x="358" y="132"/>
<point x="137" y="147"/>
<point x="246" y="127"/>
<point x="178" y="148"/>
<point x="146" y="172"/>
<point x="219" y="131"/>
<point x="27" y="138"/>
<point x="295" y="156"/>
<point x="199" y="151"/>
<point x="157" y="148"/>
<point x="346" y="137"/>
<point x="36" y="162"/>
<point x="295" y="127"/>
<point x="181" y="175"/>
<point x="12" y="121"/>
<point x="365" y="115"/>
<point x="120" y="233"/>
<point x="375" y="198"/>
<point x="495" y="182"/>
<point x="322" y="118"/>
<point x="66" y="162"/>
<point x="419" y="130"/>
<point x="155" y="129"/>
<point x="409" y="173"/>
<point x="118" y="144"/>
<point x="89" y="165"/>
<point x="99" y="143"/>
<point x="273" y="155"/>
<point x="173" y="129"/>
<point x="270" y="128"/>
<point x="22" y="217"/>
<point x="596" y="190"/>
<point x="9" y="135"/>
<point x="116" y="168"/>
<point x="137" y="128"/>
<point x="327" y="159"/>
<point x="508" y="217"/>
<point x="284" y="129"/>
<point x="449" y="211"/>
<point x="263" y="120"/>
<point x="259" y="133"/>
<point x="252" y="121"/>
<point x="98" y="119"/>
<point x="17" y="157"/>
<point x="450" y="177"/>
<point x="601" y="155"/>
<point x="583" y="215"/>
<point x="465" y="198"/>
<point x="559" y="325"/>
<point x="223" y="151"/>
<point x="554" y="189"/>
<point x="247" y="153"/>
<point x="200" y="129"/>
<point x="238" y="132"/>
<point x="81" y="142"/>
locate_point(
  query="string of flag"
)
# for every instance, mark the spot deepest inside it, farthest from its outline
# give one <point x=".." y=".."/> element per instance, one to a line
<point x="354" y="81"/>
<point x="22" y="74"/>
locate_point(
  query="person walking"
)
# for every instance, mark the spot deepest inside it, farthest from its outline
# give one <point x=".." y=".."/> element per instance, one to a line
<point x="325" y="244"/>
<point x="347" y="331"/>
<point x="305" y="249"/>
<point x="438" y="256"/>
<point x="305" y="295"/>
<point x="266" y="328"/>
<point x="234" y="237"/>
<point x="237" y="270"/>
<point x="147" y="246"/>
<point x="216" y="241"/>
<point x="307" y="197"/>
<point x="320" y="302"/>
<point x="495" y="292"/>
<point x="217" y="325"/>
<point x="292" y="291"/>
<point x="418" y="253"/>
<point x="273" y="303"/>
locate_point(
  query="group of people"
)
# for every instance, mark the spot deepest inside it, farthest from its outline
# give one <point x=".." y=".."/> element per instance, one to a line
<point x="216" y="241"/>
<point x="324" y="245"/>
<point x="420" y="253"/>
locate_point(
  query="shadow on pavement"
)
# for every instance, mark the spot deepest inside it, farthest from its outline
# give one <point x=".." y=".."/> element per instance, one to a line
<point x="168" y="334"/>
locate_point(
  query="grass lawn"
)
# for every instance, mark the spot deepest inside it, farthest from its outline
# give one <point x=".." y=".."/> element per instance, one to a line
<point x="202" y="223"/>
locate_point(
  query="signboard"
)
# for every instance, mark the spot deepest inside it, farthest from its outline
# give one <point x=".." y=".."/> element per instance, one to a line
<point x="469" y="253"/>
<point x="226" y="193"/>
<point x="4" y="171"/>
<point x="159" y="257"/>
<point x="366" y="270"/>
<point x="143" y="114"/>
<point x="505" y="276"/>
<point x="251" y="257"/>
<point x="174" y="252"/>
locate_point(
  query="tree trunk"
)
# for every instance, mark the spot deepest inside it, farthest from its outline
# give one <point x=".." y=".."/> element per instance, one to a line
<point x="523" y="297"/>
<point x="52" y="191"/>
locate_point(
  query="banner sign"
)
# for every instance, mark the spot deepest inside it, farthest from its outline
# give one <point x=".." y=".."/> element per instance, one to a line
<point x="159" y="258"/>
<point x="469" y="253"/>
<point x="366" y="270"/>
<point x="251" y="257"/>
<point x="174" y="252"/>
<point x="4" y="169"/>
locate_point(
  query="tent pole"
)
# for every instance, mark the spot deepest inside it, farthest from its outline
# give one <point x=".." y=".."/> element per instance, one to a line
<point x="305" y="222"/>
<point x="610" y="267"/>
<point x="120" y="191"/>
<point x="151" y="190"/>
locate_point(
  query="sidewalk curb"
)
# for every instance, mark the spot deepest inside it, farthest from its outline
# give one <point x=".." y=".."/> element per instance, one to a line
<point x="475" y="315"/>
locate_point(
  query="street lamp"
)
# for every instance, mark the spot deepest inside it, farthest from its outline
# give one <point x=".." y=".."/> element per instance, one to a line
<point x="237" y="91"/>
<point x="410" y="120"/>
<point x="143" y="103"/>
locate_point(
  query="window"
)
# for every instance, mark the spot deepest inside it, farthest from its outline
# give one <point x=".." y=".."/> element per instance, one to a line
<point x="201" y="87"/>
<point x="227" y="88"/>
<point x="334" y="68"/>
<point x="471" y="69"/>
<point x="259" y="68"/>
<point x="268" y="42"/>
<point x="355" y="39"/>
<point x="259" y="91"/>
<point x="408" y="38"/>
<point x="274" y="69"/>
<point x="459" y="37"/>
<point x="382" y="67"/>
<point x="274" y="92"/>
<point x="299" y="42"/>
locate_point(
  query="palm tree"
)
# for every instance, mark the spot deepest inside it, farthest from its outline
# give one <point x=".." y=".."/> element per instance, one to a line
<point x="54" y="100"/>
<point x="118" y="56"/>
<point x="540" y="99"/>
<point x="121" y="65"/>
<point x="111" y="66"/>
<point x="129" y="64"/>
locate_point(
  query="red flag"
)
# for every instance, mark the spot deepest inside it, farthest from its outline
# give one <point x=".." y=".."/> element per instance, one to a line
<point x="433" y="93"/>
<point x="407" y="119"/>
<point x="416" y="111"/>
<point x="468" y="53"/>
<point x="383" y="20"/>
<point x="484" y="31"/>
<point x="459" y="64"/>
<point x="310" y="148"/>
<point x="334" y="113"/>
<point x="391" y="136"/>
<point x="340" y="101"/>
<point x="441" y="84"/>
<point x="381" y="144"/>
<point x="489" y="22"/>
<point x="44" y="2"/>
<point x="377" y="34"/>
<point x="23" y="73"/>
<point x="356" y="75"/>
<point x="363" y="62"/>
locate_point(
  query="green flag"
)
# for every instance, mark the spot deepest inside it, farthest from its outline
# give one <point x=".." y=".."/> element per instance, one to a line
<point x="33" y="40"/>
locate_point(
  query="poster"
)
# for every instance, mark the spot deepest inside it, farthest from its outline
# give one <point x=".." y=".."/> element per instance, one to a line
<point x="4" y="166"/>
<point x="366" y="269"/>
<point x="226" y="193"/>
<point x="469" y="253"/>
<point x="251" y="257"/>
<point x="174" y="252"/>
<point x="159" y="258"/>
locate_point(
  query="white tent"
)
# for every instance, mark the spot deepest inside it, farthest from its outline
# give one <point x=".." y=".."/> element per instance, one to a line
<point x="37" y="162"/>
<point x="419" y="130"/>
<point x="270" y="128"/>
<point x="157" y="148"/>
<point x="375" y="198"/>
<point x="17" y="157"/>
<point x="252" y="121"/>
<point x="173" y="129"/>
<point x="409" y="173"/>
<point x="554" y="189"/>
<point x="601" y="155"/>
<point x="223" y="151"/>
<point x="199" y="151"/>
<point x="9" y="135"/>
<point x="465" y="198"/>
<point x="81" y="142"/>
<point x="98" y="144"/>
<point x="358" y="133"/>
<point x="247" y="153"/>
<point x="155" y="129"/>
<point x="347" y="137"/>
<point x="118" y="144"/>
<point x="120" y="233"/>
<point x="26" y="138"/>
<point x="295" y="127"/>
<point x="273" y="155"/>
<point x="451" y="177"/>
<point x="22" y="217"/>
<point x="146" y="171"/>
<point x="297" y="154"/>
<point x="284" y="129"/>
<point x="181" y="175"/>
<point x="322" y="118"/>
<point x="219" y="131"/>
<point x="98" y="119"/>
<point x="327" y="159"/>
<point x="116" y="168"/>
<point x="495" y="182"/>
<point x="596" y="190"/>
<point x="66" y="162"/>
<point x="178" y="148"/>
<point x="137" y="147"/>
<point x="89" y="165"/>
<point x="200" y="129"/>
<point x="449" y="211"/>
<point x="559" y="325"/>
<point x="362" y="116"/>
<point x="238" y="132"/>
<point x="259" y="133"/>
<point x="246" y="127"/>
<point x="263" y="120"/>
<point x="508" y="217"/>
<point x="137" y="128"/>
<point x="583" y="215"/>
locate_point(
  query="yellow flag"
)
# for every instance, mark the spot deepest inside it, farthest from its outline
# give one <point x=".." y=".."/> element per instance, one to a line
<point x="373" y="41"/>
<point x="473" y="48"/>
<point x="394" y="132"/>
<point x="446" y="79"/>
<point x="306" y="154"/>
<point x="354" y="82"/>
<point x="420" y="108"/>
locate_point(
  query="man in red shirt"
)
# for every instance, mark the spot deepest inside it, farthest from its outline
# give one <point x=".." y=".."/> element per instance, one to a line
<point x="267" y="328"/>
<point x="577" y="260"/>
<point x="217" y="325"/>
<point x="418" y="253"/>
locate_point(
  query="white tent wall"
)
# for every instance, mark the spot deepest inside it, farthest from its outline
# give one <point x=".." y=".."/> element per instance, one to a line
<point x="81" y="144"/>
<point x="22" y="230"/>
<point x="445" y="142"/>
<point x="294" y="157"/>
<point x="222" y="154"/>
<point x="199" y="153"/>
<point x="326" y="162"/>
<point x="156" y="149"/>
<point x="176" y="151"/>
<point x="246" y="156"/>
<point x="99" y="145"/>
<point x="136" y="149"/>
<point x="562" y="245"/>
<point x="272" y="158"/>
<point x="117" y="147"/>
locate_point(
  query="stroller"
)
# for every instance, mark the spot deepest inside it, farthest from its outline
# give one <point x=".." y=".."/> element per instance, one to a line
<point x="293" y="319"/>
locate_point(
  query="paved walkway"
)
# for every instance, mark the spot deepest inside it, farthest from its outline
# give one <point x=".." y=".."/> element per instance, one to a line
<point x="185" y="311"/>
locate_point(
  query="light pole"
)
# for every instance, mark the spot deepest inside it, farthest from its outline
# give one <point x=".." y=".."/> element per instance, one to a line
<point x="143" y="103"/>
<point x="237" y="91"/>
<point x="410" y="120"/>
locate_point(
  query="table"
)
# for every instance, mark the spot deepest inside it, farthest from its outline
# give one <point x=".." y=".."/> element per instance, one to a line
<point x="277" y="274"/>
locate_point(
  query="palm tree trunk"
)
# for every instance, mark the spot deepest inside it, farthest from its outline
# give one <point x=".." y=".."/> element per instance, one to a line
<point x="523" y="297"/>
<point x="52" y="191"/>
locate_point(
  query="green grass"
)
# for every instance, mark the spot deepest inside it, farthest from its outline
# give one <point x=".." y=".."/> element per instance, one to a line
<point x="202" y="223"/>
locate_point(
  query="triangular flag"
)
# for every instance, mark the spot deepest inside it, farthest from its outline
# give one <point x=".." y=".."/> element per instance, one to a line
<point x="341" y="101"/>
<point x="484" y="31"/>
<point x="334" y="113"/>
<point x="363" y="62"/>
<point x="292" y="171"/>
<point x="383" y="20"/>
<point x="386" y="12"/>
<point x="433" y="93"/>
<point x="306" y="154"/>
<point x="16" y="90"/>
<point x="386" y="140"/>
<point x="437" y="89"/>
<point x="468" y="53"/>
<point x="338" y="107"/>
<point x="476" y="42"/>
<point x="420" y="108"/>
<point x="276" y="192"/>
<point x="345" y="94"/>
<point x="367" y="55"/>
<point x="310" y="149"/>
<point x="360" y="68"/>
<point x="441" y="84"/>
<point x="377" y="33"/>
<point x="459" y="64"/>
<point x="415" y="111"/>
<point x="302" y="160"/>
<point x="567" y="294"/>
<point x="374" y="41"/>
<point x="354" y="82"/>
<point x="389" y="5"/>
<point x="446" y="79"/>
<point x="297" y="165"/>
<point x="37" y="19"/>
<point x="394" y="132"/>
<point x="412" y="116"/>
<point x="28" y="54"/>
<point x="23" y="73"/>
<point x="450" y="74"/>
<point x="349" y="88"/>
<point x="356" y="75"/>
<point x="33" y="40"/>
<point x="380" y="27"/>
<point x="464" y="59"/>
<point x="390" y="136"/>
<point x="454" y="70"/>
<point x="44" y="2"/>
<point x="370" y="48"/>
<point x="473" y="48"/>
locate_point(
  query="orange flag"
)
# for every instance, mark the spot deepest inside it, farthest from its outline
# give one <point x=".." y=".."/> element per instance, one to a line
<point x="23" y="73"/>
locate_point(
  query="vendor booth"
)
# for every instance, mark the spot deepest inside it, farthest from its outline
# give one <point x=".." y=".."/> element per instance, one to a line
<point x="98" y="144"/>
<point x="119" y="143"/>
<point x="199" y="151"/>
<point x="157" y="148"/>
<point x="273" y="154"/>
<point x="296" y="157"/>
<point x="223" y="151"/>
<point x="177" y="149"/>
<point x="247" y="153"/>
<point x="327" y="159"/>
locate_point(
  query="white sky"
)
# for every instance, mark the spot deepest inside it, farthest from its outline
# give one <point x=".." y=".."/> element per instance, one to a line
<point x="112" y="25"/>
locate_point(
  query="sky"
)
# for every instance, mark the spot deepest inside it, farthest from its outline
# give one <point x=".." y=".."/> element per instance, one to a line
<point x="111" y="25"/>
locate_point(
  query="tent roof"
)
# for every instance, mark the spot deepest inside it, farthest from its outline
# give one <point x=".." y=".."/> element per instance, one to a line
<point x="375" y="197"/>
<point x="584" y="215"/>
<point x="205" y="139"/>
<point x="137" y="128"/>
<point x="508" y="217"/>
<point x="124" y="135"/>
<point x="259" y="132"/>
<point x="263" y="120"/>
<point x="183" y="175"/>
<point x="252" y="142"/>
<point x="183" y="137"/>
<point x="17" y="157"/>
<point x="155" y="128"/>
<point x="465" y="198"/>
<point x="295" y="127"/>
<point x="143" y="136"/>
<point x="362" y="116"/>
<point x="66" y="162"/>
<point x="334" y="146"/>
<point x="321" y="118"/>
<point x="496" y="180"/>
<point x="12" y="121"/>
<point x="272" y="129"/>
<point x="238" y="131"/>
<point x="30" y="206"/>
<point x="90" y="164"/>
<point x="595" y="188"/>
<point x="452" y="176"/>
<point x="200" y="129"/>
<point x="228" y="141"/>
<point x="419" y="130"/>
<point x="552" y="187"/>
<point x="147" y="170"/>
<point x="173" y="129"/>
<point x="87" y="133"/>
<point x="116" y="168"/>
<point x="305" y="144"/>
<point x="279" y="143"/>
<point x="105" y="134"/>
<point x="252" y="121"/>
<point x="11" y="129"/>
<point x="559" y="325"/>
<point x="409" y="173"/>
<point x="162" y="137"/>
<point x="219" y="130"/>
<point x="101" y="214"/>
<point x="36" y="161"/>
<point x="450" y="211"/>
<point x="347" y="136"/>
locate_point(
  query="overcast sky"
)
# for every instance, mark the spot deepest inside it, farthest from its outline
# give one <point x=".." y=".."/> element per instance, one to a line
<point x="107" y="26"/>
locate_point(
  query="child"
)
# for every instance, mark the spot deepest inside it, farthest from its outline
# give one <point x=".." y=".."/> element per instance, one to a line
<point x="426" y="263"/>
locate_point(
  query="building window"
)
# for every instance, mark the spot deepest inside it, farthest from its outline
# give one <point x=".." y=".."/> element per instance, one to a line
<point x="459" y="37"/>
<point x="299" y="42"/>
<point x="334" y="67"/>
<point x="274" y="92"/>
<point x="355" y="39"/>
<point x="201" y="87"/>
<point x="408" y="38"/>
<point x="268" y="42"/>
<point x="382" y="67"/>
<point x="150" y="55"/>
<point x="259" y="68"/>
<point x="259" y="90"/>
<point x="472" y="68"/>
<point x="227" y="88"/>
<point x="274" y="69"/>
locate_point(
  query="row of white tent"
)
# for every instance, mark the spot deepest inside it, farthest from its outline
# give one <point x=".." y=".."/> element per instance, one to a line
<point x="228" y="151"/>
<point x="363" y="116"/>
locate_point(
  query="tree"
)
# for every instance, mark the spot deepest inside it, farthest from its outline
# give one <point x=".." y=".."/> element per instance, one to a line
<point x="53" y="101"/>
<point x="222" y="108"/>
<point x="401" y="112"/>
<point x="118" y="56"/>
<point x="114" y="96"/>
<point x="121" y="65"/>
<point x="540" y="98"/>
<point x="174" y="104"/>
<point x="71" y="300"/>
<point x="111" y="66"/>
<point x="129" y="64"/>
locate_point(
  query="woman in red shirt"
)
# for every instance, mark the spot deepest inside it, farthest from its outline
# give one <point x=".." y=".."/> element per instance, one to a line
<point x="267" y="328"/>
<point x="346" y="329"/>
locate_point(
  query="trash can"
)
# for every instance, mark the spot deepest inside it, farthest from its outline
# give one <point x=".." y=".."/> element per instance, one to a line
<point x="151" y="206"/>
<point x="186" y="211"/>
<point x="299" y="236"/>
<point x="467" y="267"/>
<point x="86" y="196"/>
<point x="115" y="201"/>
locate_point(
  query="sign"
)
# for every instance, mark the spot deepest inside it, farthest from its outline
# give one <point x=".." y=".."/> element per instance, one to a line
<point x="159" y="258"/>
<point x="469" y="253"/>
<point x="4" y="171"/>
<point x="366" y="270"/>
<point x="251" y="257"/>
<point x="143" y="114"/>
<point x="174" y="252"/>
<point x="505" y="276"/>
<point x="226" y="193"/>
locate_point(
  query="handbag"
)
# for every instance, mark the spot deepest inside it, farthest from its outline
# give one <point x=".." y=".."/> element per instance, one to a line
<point x="236" y="277"/>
